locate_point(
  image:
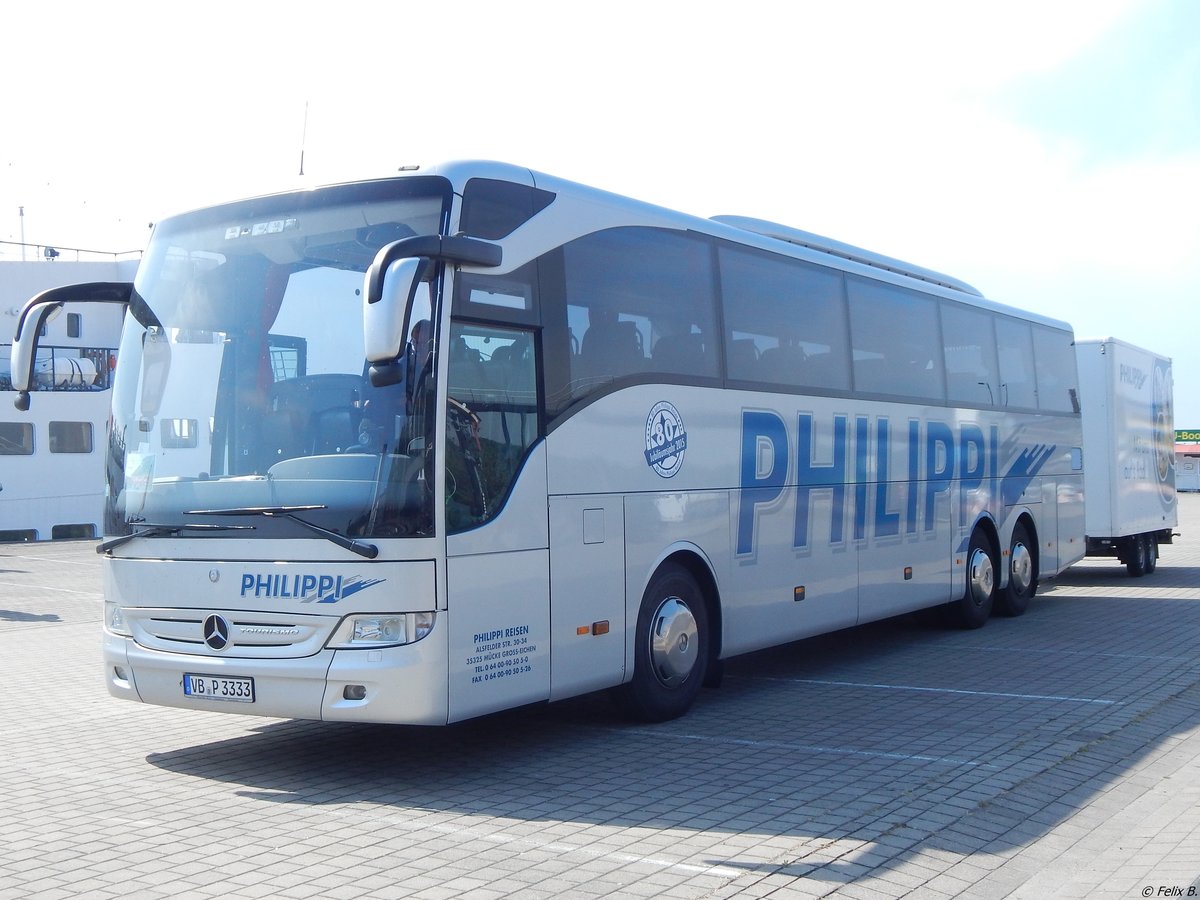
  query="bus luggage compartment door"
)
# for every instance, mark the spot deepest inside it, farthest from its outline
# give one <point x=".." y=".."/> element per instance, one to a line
<point x="587" y="582"/>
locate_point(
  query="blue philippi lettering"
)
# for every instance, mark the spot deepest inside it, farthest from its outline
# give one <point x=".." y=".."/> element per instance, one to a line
<point x="887" y="523"/>
<point x="972" y="454"/>
<point x="307" y="588"/>
<point x="764" y="469"/>
<point x="861" y="424"/>
<point x="914" y="475"/>
<point x="935" y="455"/>
<point x="811" y="476"/>
<point x="939" y="466"/>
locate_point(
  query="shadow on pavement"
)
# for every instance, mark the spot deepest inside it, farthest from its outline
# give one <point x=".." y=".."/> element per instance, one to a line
<point x="873" y="742"/>
<point x="12" y="615"/>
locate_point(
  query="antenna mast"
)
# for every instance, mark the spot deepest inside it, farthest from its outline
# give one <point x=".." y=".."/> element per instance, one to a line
<point x="303" y="137"/>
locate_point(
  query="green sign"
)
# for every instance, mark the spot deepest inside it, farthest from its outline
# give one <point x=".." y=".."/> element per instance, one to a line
<point x="1188" y="434"/>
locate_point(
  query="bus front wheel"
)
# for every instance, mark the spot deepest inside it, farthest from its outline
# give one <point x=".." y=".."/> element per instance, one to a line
<point x="670" y="648"/>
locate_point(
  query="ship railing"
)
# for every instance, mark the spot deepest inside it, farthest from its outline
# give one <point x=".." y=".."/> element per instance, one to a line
<point x="61" y="368"/>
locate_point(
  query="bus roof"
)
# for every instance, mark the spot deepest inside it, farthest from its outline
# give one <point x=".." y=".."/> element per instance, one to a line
<point x="459" y="171"/>
<point x="846" y="251"/>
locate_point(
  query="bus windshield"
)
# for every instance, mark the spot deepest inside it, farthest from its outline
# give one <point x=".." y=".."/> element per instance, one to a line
<point x="242" y="384"/>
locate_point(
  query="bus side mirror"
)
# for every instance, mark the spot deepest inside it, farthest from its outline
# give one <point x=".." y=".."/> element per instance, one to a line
<point x="156" y="363"/>
<point x="391" y="284"/>
<point x="39" y="310"/>
<point x="24" y="348"/>
<point x="384" y="319"/>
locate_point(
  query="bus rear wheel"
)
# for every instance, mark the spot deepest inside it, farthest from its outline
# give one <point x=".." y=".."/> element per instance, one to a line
<point x="670" y="648"/>
<point x="1022" y="574"/>
<point x="972" y="609"/>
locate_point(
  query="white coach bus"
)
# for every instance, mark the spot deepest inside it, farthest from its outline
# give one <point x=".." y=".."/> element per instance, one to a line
<point x="418" y="449"/>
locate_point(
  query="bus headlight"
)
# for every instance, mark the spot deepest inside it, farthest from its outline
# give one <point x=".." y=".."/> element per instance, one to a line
<point x="114" y="620"/>
<point x="379" y="630"/>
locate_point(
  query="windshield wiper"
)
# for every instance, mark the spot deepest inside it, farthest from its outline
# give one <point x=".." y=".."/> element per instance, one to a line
<point x="157" y="530"/>
<point x="370" y="551"/>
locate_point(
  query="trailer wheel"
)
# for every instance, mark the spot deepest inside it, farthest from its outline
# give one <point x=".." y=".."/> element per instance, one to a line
<point x="1022" y="574"/>
<point x="1135" y="552"/>
<point x="670" y="651"/>
<point x="972" y="609"/>
<point x="1151" y="553"/>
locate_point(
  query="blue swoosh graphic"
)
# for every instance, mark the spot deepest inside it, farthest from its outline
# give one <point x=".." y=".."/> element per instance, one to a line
<point x="1023" y="470"/>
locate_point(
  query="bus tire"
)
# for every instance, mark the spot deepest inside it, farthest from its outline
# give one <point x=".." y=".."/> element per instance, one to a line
<point x="973" y="608"/>
<point x="1022" y="574"/>
<point x="670" y="652"/>
<point x="1135" y="556"/>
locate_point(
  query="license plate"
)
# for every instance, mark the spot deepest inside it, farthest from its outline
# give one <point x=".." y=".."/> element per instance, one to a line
<point x="219" y="687"/>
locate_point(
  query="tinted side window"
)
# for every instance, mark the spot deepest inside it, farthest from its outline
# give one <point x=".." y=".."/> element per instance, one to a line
<point x="492" y="417"/>
<point x="495" y="209"/>
<point x="786" y="321"/>
<point x="1054" y="351"/>
<point x="508" y="298"/>
<point x="1014" y="342"/>
<point x="635" y="301"/>
<point x="972" y="373"/>
<point x="896" y="340"/>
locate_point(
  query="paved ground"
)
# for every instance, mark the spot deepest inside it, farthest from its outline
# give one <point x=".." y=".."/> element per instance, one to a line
<point x="1056" y="755"/>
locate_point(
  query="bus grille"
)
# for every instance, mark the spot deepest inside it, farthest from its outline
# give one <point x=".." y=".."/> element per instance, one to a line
<point x="229" y="633"/>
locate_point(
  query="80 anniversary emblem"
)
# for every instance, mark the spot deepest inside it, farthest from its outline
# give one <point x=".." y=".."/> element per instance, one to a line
<point x="666" y="439"/>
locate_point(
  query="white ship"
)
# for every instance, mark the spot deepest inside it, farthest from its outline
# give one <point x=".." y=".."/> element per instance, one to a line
<point x="52" y="455"/>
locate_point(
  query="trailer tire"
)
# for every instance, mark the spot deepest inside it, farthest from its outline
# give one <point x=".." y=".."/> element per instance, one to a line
<point x="670" y="650"/>
<point x="1135" y="553"/>
<point x="1022" y="574"/>
<point x="1151" y="554"/>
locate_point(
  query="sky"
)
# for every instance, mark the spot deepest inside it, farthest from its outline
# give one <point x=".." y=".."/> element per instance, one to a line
<point x="1045" y="151"/>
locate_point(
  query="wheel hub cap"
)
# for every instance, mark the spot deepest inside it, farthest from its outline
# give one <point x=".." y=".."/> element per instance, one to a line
<point x="1022" y="568"/>
<point x="673" y="642"/>
<point x="982" y="576"/>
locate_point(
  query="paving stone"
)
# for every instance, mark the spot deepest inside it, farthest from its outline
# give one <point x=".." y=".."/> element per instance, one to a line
<point x="1057" y="754"/>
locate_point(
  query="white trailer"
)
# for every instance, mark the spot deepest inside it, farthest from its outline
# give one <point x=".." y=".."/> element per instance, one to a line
<point x="1128" y="451"/>
<point x="1187" y="467"/>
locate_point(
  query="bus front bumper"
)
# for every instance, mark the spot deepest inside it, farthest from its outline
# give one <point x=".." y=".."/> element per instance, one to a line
<point x="398" y="685"/>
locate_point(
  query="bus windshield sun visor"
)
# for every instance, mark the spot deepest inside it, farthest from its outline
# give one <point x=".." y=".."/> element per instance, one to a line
<point x="462" y="250"/>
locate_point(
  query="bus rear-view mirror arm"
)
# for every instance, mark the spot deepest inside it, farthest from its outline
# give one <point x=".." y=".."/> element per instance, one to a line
<point x="391" y="284"/>
<point x="38" y="311"/>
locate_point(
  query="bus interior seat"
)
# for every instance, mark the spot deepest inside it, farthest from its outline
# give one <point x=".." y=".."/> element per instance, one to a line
<point x="511" y="366"/>
<point x="682" y="353"/>
<point x="333" y="430"/>
<point x="743" y="359"/>
<point x="612" y="349"/>
<point x="782" y="364"/>
<point x="467" y="365"/>
<point x="826" y="370"/>
<point x="281" y="436"/>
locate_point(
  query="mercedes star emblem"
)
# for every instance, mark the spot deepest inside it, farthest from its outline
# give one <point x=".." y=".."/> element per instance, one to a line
<point x="216" y="632"/>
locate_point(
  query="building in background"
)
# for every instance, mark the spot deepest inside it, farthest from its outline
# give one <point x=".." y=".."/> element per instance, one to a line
<point x="52" y="455"/>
